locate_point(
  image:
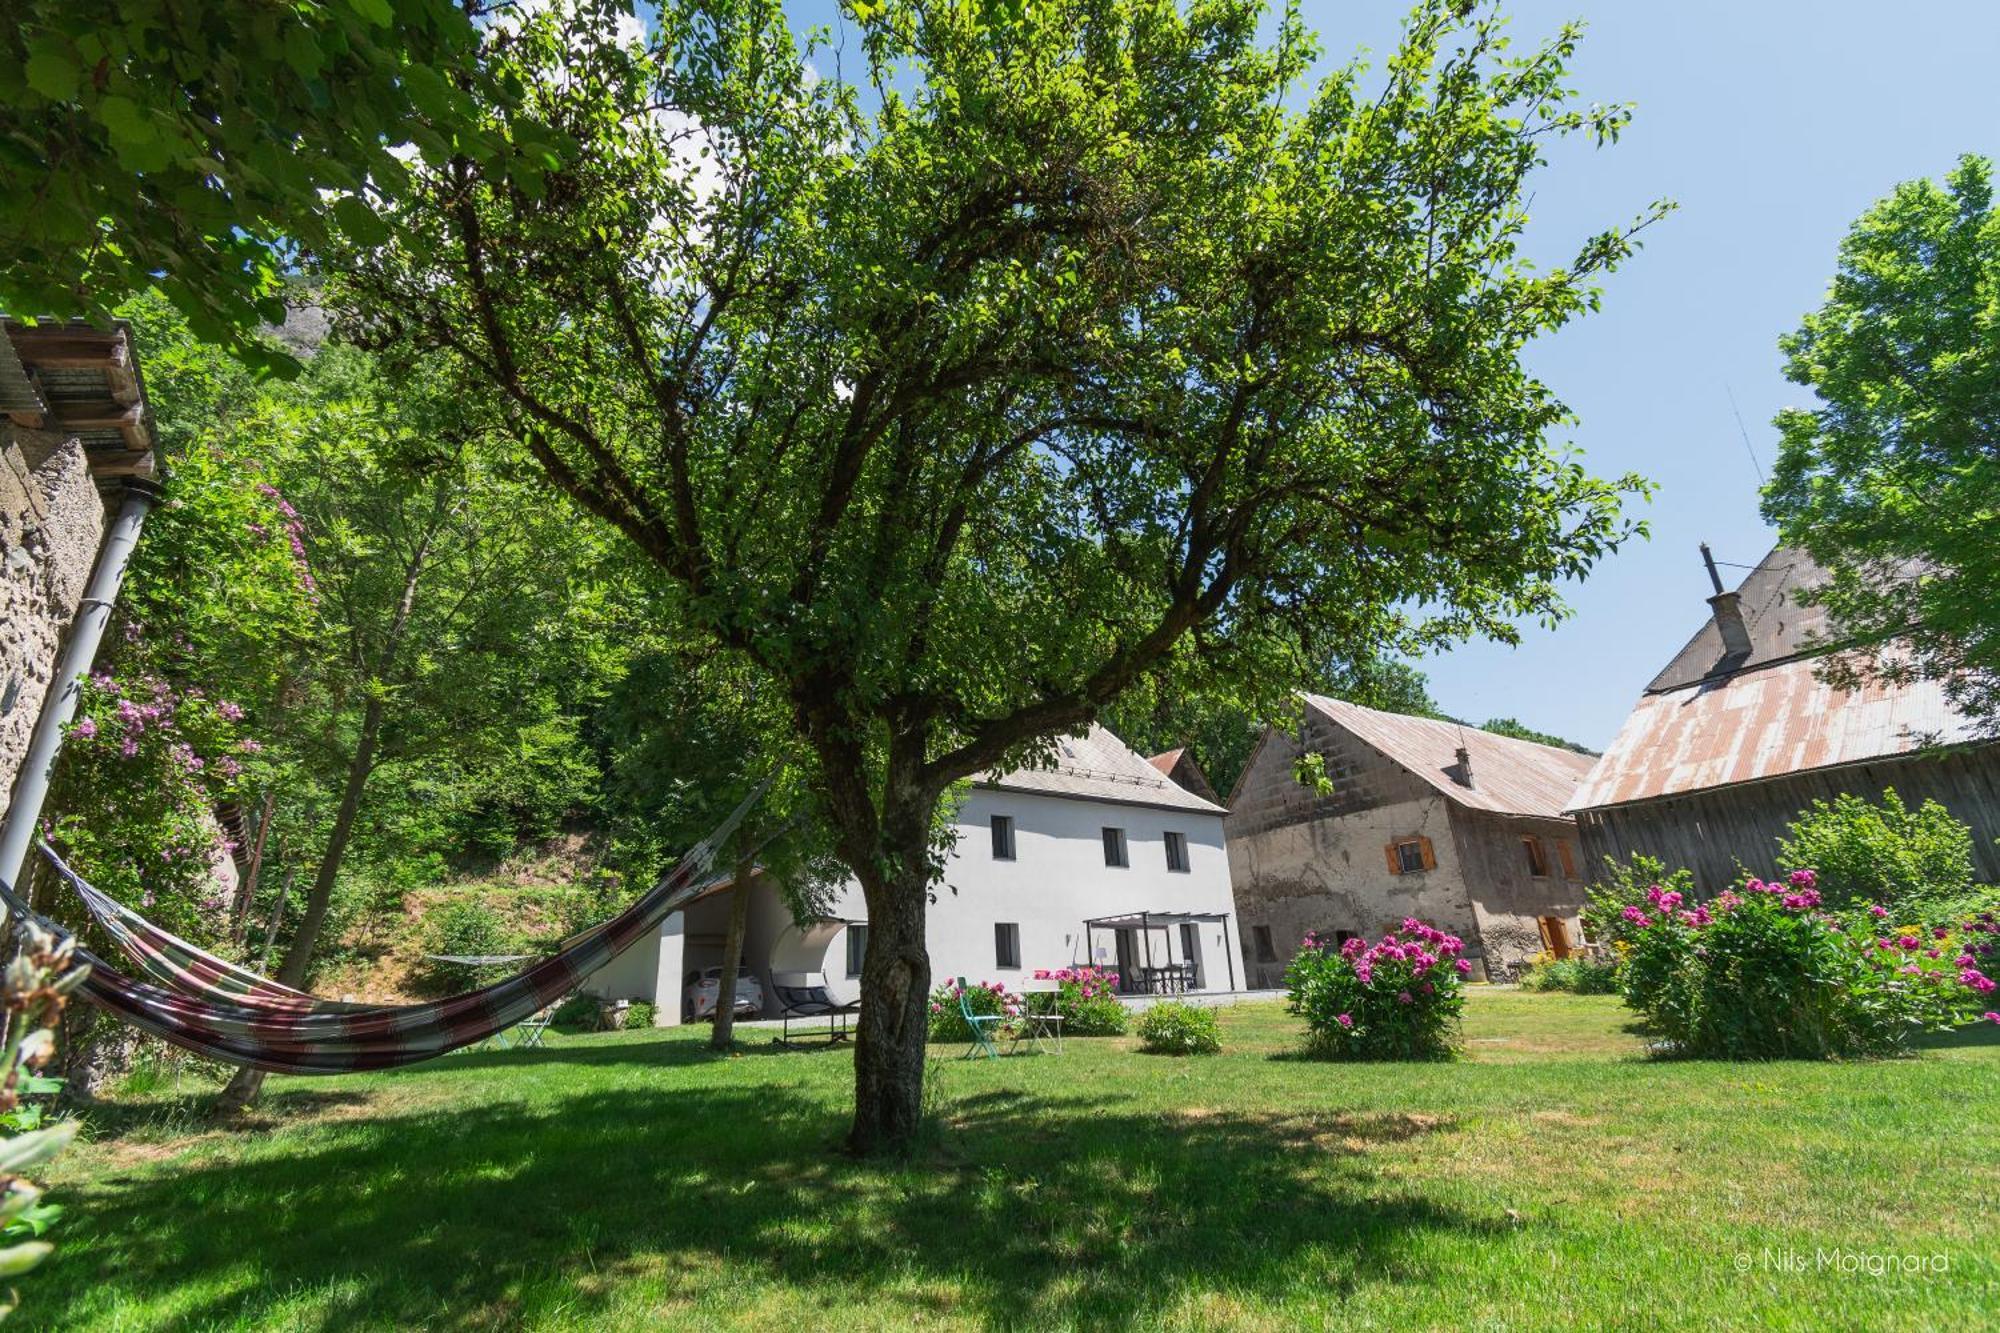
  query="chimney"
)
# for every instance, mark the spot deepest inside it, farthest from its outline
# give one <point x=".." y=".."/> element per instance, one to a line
<point x="1462" y="775"/>
<point x="1728" y="610"/>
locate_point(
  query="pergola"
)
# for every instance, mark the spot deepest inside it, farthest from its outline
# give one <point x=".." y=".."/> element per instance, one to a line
<point x="1143" y="922"/>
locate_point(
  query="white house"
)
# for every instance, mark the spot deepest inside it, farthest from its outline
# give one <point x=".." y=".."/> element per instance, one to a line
<point x="1101" y="860"/>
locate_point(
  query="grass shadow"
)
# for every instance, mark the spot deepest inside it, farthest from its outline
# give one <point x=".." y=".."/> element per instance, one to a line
<point x="1034" y="1209"/>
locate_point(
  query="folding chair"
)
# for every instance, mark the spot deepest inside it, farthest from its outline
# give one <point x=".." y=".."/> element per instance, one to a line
<point x="982" y="1026"/>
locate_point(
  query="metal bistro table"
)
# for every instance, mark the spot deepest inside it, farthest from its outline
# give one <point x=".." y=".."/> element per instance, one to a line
<point x="1040" y="1023"/>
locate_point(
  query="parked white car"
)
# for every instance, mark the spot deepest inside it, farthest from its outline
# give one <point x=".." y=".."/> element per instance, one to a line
<point x="703" y="987"/>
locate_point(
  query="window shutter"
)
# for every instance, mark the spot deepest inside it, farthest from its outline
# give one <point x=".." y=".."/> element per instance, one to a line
<point x="1568" y="861"/>
<point x="1395" y="865"/>
<point x="1430" y="857"/>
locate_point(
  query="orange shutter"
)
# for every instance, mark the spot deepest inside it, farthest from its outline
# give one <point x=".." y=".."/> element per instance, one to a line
<point x="1430" y="857"/>
<point x="1395" y="865"/>
<point x="1568" y="861"/>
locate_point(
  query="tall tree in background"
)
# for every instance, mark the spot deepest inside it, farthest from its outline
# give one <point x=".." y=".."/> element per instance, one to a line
<point x="1893" y="482"/>
<point x="1050" y="351"/>
<point x="191" y="147"/>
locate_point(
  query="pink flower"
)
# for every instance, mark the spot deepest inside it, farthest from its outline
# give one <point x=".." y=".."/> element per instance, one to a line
<point x="1878" y="911"/>
<point x="1347" y="1020"/>
<point x="1636" y="917"/>
<point x="1404" y="997"/>
<point x="1803" y="879"/>
<point x="85" y="728"/>
<point x="1991" y="1016"/>
<point x="233" y="712"/>
<point x="1464" y="966"/>
<point x="1907" y="942"/>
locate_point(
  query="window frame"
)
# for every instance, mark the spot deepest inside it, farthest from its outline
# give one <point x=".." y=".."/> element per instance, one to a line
<point x="1408" y="850"/>
<point x="857" y="947"/>
<point x="1538" y="856"/>
<point x="1177" y="852"/>
<point x="1117" y="850"/>
<point x="1006" y="943"/>
<point x="1001" y="828"/>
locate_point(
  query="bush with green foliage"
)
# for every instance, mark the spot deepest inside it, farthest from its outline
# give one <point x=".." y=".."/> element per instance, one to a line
<point x="576" y="1014"/>
<point x="1398" y="999"/>
<point x="1579" y="974"/>
<point x="947" y="1020"/>
<point x="33" y="992"/>
<point x="1767" y="974"/>
<point x="465" y="927"/>
<point x="1175" y="1027"/>
<point x="1917" y="863"/>
<point x="1626" y="884"/>
<point x="1087" y="999"/>
<point x="639" y="1014"/>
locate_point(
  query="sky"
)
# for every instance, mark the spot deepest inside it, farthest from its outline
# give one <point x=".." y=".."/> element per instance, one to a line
<point x="1774" y="124"/>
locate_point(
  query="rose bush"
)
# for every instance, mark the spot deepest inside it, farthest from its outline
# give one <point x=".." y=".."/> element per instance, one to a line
<point x="1397" y="999"/>
<point x="1087" y="999"/>
<point x="983" y="997"/>
<point x="1767" y="973"/>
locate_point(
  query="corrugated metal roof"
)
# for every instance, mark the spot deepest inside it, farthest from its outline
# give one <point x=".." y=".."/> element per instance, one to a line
<point x="1098" y="766"/>
<point x="1763" y="723"/>
<point x="1509" y="776"/>
<point x="1165" y="760"/>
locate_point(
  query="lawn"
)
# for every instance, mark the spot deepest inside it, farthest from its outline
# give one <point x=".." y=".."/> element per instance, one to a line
<point x="1554" y="1176"/>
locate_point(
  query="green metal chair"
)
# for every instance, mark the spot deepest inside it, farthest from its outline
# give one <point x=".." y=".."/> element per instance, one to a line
<point x="982" y="1026"/>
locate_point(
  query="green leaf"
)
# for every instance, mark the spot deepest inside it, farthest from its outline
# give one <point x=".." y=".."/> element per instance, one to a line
<point x="376" y="12"/>
<point x="18" y="1259"/>
<point x="359" y="221"/>
<point x="53" y="74"/>
<point x="126" y="120"/>
<point x="17" y="1155"/>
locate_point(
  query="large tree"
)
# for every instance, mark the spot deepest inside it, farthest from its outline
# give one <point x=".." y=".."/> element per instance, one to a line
<point x="972" y="373"/>
<point x="1892" y="482"/>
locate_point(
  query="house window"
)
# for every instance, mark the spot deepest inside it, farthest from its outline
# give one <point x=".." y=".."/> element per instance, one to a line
<point x="1006" y="944"/>
<point x="1538" y="856"/>
<point x="1114" y="847"/>
<point x="1177" y="852"/>
<point x="1262" y="936"/>
<point x="1567" y="857"/>
<point x="1407" y="856"/>
<point x="857" y="947"/>
<point x="1003" y="837"/>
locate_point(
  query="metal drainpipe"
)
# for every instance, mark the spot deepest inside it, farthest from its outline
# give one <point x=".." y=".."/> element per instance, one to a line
<point x="93" y="613"/>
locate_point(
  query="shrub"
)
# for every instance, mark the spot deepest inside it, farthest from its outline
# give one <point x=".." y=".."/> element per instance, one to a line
<point x="1580" y="975"/>
<point x="1398" y="999"/>
<point x="1917" y="863"/>
<point x="576" y="1014"/>
<point x="1087" y="999"/>
<point x="639" y="1015"/>
<point x="1628" y="884"/>
<point x="1174" y="1027"/>
<point x="1767" y="974"/>
<point x="983" y="997"/>
<point x="465" y="927"/>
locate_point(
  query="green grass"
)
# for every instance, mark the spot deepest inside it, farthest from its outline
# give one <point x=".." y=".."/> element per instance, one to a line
<point x="1554" y="1177"/>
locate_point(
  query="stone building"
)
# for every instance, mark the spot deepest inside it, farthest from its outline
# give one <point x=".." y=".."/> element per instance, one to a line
<point x="1738" y="735"/>
<point x="76" y="462"/>
<point x="1431" y="819"/>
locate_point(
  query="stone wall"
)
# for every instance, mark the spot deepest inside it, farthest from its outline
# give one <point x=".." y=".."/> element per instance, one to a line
<point x="1507" y="900"/>
<point x="51" y="523"/>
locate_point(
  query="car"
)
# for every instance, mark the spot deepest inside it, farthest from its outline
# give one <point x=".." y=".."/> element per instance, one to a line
<point x="703" y="986"/>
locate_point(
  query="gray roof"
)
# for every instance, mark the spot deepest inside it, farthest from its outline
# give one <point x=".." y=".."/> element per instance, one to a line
<point x="1779" y="627"/>
<point x="1097" y="766"/>
<point x="1509" y="776"/>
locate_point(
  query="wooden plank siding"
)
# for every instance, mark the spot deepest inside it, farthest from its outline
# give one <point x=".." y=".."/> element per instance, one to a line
<point x="1711" y="831"/>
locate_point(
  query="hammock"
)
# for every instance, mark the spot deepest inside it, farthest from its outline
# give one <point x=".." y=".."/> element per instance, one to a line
<point x="219" y="1009"/>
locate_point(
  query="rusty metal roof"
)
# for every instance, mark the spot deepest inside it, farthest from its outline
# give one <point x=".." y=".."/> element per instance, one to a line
<point x="1708" y="722"/>
<point x="1509" y="776"/>
<point x="1765" y="722"/>
<point x="1098" y="766"/>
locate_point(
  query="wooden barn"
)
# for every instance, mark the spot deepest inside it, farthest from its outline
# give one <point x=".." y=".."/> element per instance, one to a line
<point x="1737" y="736"/>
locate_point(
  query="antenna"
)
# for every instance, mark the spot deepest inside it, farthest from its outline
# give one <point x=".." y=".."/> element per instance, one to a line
<point x="1741" y="430"/>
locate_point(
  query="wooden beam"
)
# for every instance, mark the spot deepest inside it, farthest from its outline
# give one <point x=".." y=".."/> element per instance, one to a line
<point x="101" y="416"/>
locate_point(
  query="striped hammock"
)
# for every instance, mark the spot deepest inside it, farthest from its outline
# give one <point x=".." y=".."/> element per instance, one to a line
<point x="219" y="1009"/>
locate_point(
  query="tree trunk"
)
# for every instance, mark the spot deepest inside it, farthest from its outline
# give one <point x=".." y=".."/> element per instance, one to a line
<point x="246" y="891"/>
<point x="245" y="1087"/>
<point x="894" y="1022"/>
<point x="724" y="1035"/>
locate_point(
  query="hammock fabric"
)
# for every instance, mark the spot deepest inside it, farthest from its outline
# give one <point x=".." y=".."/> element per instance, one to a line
<point x="216" y="1008"/>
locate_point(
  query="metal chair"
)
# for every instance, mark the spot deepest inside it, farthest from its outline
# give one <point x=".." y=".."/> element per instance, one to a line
<point x="800" y="998"/>
<point x="982" y="1026"/>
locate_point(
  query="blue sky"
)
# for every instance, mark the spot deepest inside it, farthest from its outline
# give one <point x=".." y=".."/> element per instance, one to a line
<point x="1773" y="123"/>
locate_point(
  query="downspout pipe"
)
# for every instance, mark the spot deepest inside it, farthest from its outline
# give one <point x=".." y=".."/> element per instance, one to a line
<point x="93" y="614"/>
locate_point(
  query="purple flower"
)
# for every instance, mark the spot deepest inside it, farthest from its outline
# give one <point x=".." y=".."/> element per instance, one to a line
<point x="85" y="728"/>
<point x="233" y="712"/>
<point x="1404" y="997"/>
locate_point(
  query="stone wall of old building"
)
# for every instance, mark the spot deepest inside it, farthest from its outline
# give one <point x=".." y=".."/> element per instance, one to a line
<point x="1508" y="900"/>
<point x="51" y="522"/>
<point x="1299" y="861"/>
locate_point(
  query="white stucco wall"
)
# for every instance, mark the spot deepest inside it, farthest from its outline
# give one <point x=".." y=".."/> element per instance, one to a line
<point x="1058" y="878"/>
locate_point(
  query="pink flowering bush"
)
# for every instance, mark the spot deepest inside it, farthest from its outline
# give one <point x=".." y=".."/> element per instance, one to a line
<point x="1768" y="973"/>
<point x="1087" y="999"/>
<point x="984" y="997"/>
<point x="1396" y="999"/>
